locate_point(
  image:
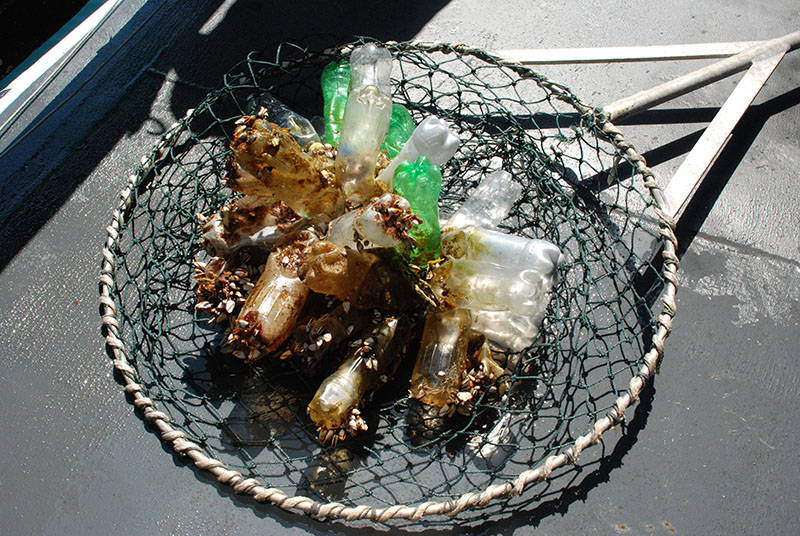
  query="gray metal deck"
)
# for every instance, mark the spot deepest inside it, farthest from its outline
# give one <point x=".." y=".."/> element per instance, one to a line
<point x="711" y="446"/>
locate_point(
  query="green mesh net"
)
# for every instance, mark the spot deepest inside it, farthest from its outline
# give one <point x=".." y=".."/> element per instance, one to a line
<point x="247" y="424"/>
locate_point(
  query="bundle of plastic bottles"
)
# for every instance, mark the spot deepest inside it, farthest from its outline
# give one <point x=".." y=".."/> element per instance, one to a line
<point x="335" y="260"/>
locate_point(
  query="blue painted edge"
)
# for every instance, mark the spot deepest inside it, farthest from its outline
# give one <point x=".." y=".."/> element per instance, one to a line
<point x="90" y="7"/>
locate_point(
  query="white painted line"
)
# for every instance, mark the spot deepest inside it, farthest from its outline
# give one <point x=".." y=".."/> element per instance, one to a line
<point x="624" y="54"/>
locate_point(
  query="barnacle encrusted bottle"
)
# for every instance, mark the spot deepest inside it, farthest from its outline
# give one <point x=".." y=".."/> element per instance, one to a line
<point x="272" y="308"/>
<point x="420" y="183"/>
<point x="334" y="408"/>
<point x="384" y="223"/>
<point x="267" y="161"/>
<point x="335" y="84"/>
<point x="442" y="357"/>
<point x="432" y="138"/>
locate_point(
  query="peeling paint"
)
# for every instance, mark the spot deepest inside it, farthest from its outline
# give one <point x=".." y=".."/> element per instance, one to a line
<point x="764" y="287"/>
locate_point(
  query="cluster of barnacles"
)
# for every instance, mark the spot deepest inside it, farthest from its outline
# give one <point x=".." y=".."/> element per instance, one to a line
<point x="352" y="425"/>
<point x="316" y="336"/>
<point x="222" y="289"/>
<point x="483" y="377"/>
<point x="356" y="263"/>
<point x="397" y="219"/>
<point x="319" y="293"/>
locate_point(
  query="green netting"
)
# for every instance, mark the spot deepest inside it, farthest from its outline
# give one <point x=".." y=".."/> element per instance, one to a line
<point x="580" y="191"/>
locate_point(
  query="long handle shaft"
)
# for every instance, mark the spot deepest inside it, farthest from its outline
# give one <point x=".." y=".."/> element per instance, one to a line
<point x="649" y="98"/>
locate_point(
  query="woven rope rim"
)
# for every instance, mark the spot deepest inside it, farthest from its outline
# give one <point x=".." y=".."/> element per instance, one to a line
<point x="177" y="441"/>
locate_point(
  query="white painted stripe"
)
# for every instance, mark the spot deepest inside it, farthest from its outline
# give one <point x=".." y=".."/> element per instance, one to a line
<point x="622" y="54"/>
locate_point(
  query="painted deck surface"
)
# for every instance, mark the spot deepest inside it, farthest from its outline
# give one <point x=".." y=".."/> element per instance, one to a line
<point x="711" y="446"/>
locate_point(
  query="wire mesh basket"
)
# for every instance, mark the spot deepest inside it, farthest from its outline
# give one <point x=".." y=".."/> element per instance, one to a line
<point x="584" y="189"/>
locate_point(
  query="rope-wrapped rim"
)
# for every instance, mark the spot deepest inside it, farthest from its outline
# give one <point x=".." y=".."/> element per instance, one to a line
<point x="647" y="332"/>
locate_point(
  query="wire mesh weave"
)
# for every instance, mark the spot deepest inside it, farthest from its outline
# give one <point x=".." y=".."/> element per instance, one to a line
<point x="601" y="339"/>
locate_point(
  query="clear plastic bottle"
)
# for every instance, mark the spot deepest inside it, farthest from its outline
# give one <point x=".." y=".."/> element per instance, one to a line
<point x="486" y="245"/>
<point x="442" y="357"/>
<point x="371" y="65"/>
<point x="432" y="138"/>
<point x="366" y="121"/>
<point x="489" y="203"/>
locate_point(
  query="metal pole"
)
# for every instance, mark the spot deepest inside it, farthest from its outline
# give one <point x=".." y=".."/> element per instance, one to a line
<point x="717" y="71"/>
<point x="694" y="168"/>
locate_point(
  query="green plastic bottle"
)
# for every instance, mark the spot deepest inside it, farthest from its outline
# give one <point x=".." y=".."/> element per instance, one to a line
<point x="335" y="82"/>
<point x="400" y="128"/>
<point x="420" y="183"/>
